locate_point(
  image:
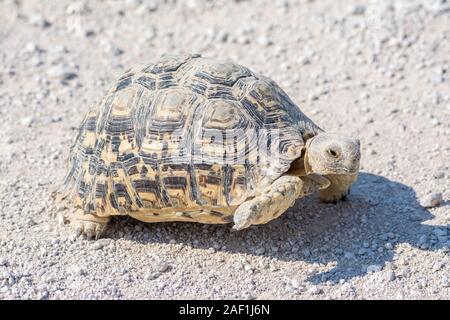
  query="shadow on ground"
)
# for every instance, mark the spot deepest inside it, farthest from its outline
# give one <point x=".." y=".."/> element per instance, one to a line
<point x="380" y="213"/>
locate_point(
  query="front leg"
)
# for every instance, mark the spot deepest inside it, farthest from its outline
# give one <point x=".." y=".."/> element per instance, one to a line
<point x="339" y="187"/>
<point x="276" y="199"/>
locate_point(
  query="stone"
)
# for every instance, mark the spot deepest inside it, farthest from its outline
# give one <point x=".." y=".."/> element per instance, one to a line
<point x="315" y="290"/>
<point x="163" y="267"/>
<point x="39" y="21"/>
<point x="61" y="72"/>
<point x="390" y="275"/>
<point x="27" y="121"/>
<point x="152" y="275"/>
<point x="432" y="200"/>
<point x="373" y="268"/>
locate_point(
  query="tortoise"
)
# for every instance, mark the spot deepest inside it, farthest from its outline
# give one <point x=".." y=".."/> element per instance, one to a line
<point x="189" y="138"/>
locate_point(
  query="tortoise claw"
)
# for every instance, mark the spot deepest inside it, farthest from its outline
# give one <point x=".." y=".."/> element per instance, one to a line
<point x="89" y="226"/>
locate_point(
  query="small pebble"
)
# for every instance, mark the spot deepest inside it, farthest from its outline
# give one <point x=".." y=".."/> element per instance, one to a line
<point x="295" y="283"/>
<point x="423" y="238"/>
<point x="306" y="253"/>
<point x="97" y="246"/>
<point x="38" y="21"/>
<point x="26" y="122"/>
<point x="31" y="47"/>
<point x="163" y="267"/>
<point x="61" y="72"/>
<point x="3" y="261"/>
<point x="390" y="275"/>
<point x="438" y="232"/>
<point x="152" y="275"/>
<point x="315" y="290"/>
<point x="77" y="271"/>
<point x="432" y="200"/>
<point x="260" y="251"/>
<point x="349" y="255"/>
<point x="373" y="268"/>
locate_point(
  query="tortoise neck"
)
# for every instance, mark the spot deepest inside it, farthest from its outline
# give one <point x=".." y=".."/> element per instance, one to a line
<point x="297" y="167"/>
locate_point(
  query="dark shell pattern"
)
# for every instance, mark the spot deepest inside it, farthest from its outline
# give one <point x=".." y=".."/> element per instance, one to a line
<point x="182" y="135"/>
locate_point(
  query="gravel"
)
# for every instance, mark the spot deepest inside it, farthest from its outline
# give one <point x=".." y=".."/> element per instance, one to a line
<point x="378" y="71"/>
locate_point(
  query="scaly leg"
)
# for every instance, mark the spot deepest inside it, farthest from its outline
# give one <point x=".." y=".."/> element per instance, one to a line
<point x="276" y="199"/>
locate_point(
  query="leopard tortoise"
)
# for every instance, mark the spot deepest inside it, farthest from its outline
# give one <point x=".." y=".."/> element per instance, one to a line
<point x="189" y="138"/>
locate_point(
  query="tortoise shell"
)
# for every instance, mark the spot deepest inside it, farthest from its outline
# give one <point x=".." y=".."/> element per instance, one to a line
<point x="184" y="139"/>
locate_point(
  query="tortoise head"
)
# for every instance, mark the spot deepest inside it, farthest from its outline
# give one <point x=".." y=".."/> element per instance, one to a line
<point x="332" y="153"/>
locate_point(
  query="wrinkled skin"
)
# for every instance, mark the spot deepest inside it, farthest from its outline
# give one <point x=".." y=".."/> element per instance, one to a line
<point x="336" y="157"/>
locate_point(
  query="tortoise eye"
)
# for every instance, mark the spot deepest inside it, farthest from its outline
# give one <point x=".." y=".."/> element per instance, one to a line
<point x="332" y="153"/>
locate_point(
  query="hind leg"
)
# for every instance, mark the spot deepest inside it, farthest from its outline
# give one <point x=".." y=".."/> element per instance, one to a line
<point x="89" y="225"/>
<point x="276" y="199"/>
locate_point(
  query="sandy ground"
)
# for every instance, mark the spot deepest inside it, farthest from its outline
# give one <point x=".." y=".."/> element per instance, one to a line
<point x="379" y="70"/>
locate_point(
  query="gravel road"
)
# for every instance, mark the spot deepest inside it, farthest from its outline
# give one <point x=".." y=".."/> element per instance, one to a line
<point x="377" y="69"/>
